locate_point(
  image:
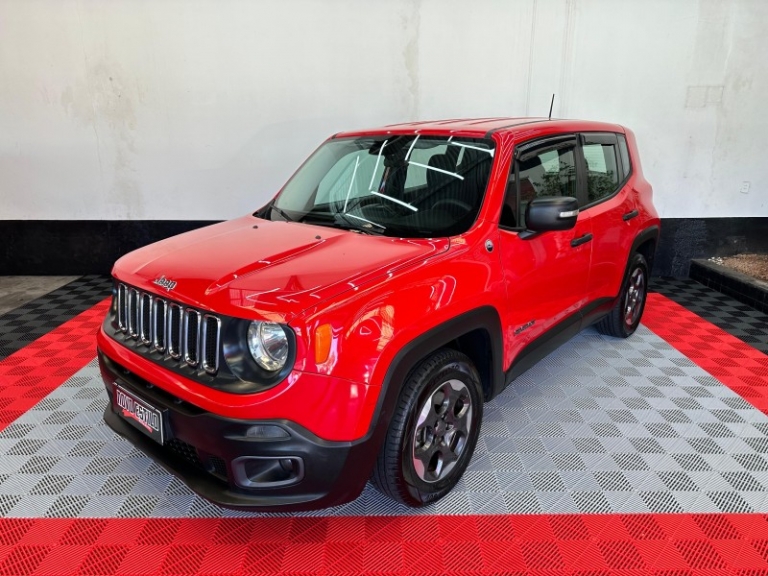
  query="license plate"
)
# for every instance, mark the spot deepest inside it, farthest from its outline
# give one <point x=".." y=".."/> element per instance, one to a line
<point x="139" y="413"/>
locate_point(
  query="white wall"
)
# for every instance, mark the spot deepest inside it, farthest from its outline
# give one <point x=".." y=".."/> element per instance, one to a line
<point x="133" y="109"/>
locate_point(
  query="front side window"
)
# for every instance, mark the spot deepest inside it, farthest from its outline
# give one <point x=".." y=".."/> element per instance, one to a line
<point x="413" y="186"/>
<point x="548" y="169"/>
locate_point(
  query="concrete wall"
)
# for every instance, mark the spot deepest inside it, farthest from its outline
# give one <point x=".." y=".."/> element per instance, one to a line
<point x="200" y="110"/>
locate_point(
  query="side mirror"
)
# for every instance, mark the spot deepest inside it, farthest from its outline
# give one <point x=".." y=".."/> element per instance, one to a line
<point x="550" y="213"/>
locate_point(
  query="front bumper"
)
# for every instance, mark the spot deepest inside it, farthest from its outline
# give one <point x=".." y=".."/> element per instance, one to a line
<point x="332" y="408"/>
<point x="209" y="453"/>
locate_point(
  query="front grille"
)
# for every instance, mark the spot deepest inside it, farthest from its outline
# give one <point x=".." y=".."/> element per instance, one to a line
<point x="159" y="321"/>
<point x="191" y="336"/>
<point x="133" y="313"/>
<point x="175" y="318"/>
<point x="164" y="326"/>
<point x="211" y="332"/>
<point x="145" y="319"/>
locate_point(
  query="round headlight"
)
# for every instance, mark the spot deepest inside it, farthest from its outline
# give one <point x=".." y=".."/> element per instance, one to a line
<point x="268" y="345"/>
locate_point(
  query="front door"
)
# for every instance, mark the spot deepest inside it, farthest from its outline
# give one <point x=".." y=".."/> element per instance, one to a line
<point x="546" y="275"/>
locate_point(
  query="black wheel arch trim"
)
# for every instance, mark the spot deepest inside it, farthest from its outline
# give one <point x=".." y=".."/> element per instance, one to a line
<point x="408" y="357"/>
<point x="366" y="450"/>
<point x="650" y="233"/>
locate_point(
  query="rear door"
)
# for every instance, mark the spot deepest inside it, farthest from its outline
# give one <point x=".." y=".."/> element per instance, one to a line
<point x="611" y="205"/>
<point x="546" y="275"/>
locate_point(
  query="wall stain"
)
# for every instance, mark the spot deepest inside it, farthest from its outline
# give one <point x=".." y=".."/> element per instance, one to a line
<point x="567" y="59"/>
<point x="412" y="23"/>
<point x="105" y="103"/>
<point x="532" y="43"/>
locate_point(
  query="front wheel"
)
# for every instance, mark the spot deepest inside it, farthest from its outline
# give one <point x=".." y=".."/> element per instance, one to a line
<point x="625" y="316"/>
<point x="433" y="431"/>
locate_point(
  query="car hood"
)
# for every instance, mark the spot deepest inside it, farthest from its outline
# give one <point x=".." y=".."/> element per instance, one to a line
<point x="272" y="270"/>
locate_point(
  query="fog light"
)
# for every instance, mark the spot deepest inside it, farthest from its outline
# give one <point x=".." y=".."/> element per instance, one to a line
<point x="267" y="471"/>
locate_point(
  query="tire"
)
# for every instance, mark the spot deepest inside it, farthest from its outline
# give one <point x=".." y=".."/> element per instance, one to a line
<point x="623" y="319"/>
<point x="433" y="431"/>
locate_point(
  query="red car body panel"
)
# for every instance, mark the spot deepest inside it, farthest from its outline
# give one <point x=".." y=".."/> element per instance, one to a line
<point x="373" y="325"/>
<point x="256" y="268"/>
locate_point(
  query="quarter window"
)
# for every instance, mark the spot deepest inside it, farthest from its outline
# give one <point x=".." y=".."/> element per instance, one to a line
<point x="626" y="166"/>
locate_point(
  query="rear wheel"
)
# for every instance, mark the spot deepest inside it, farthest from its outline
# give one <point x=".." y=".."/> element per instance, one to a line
<point x="433" y="431"/>
<point x="625" y="316"/>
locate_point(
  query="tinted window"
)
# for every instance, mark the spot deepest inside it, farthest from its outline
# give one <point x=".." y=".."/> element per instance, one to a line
<point x="407" y="186"/>
<point x="417" y="174"/>
<point x="602" y="166"/>
<point x="548" y="170"/>
<point x="626" y="166"/>
<point x="349" y="178"/>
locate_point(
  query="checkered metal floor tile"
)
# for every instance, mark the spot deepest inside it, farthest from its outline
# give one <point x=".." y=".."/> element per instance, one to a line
<point x="29" y="322"/>
<point x="599" y="426"/>
<point x="740" y="320"/>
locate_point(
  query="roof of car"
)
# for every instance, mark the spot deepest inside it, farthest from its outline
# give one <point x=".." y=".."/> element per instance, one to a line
<point x="484" y="127"/>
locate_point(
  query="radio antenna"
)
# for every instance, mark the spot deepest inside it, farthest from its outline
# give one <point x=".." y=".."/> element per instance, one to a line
<point x="552" y="103"/>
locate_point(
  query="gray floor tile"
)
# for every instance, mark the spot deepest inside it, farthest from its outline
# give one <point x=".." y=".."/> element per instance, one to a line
<point x="601" y="426"/>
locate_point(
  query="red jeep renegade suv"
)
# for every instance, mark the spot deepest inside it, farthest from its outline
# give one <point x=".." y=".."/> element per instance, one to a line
<point x="352" y="328"/>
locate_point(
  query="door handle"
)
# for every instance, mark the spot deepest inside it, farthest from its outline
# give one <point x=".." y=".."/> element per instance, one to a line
<point x="629" y="215"/>
<point x="581" y="240"/>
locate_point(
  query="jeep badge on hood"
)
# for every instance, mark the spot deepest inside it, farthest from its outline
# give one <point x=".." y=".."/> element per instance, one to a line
<point x="165" y="283"/>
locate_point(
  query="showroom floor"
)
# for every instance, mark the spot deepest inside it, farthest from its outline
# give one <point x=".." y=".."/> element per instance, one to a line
<point x="646" y="455"/>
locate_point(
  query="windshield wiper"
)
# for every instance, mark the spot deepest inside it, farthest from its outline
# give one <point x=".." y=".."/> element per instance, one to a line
<point x="366" y="228"/>
<point x="342" y="220"/>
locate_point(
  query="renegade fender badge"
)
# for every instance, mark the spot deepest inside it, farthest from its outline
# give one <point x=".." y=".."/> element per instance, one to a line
<point x="163" y="282"/>
<point x="524" y="327"/>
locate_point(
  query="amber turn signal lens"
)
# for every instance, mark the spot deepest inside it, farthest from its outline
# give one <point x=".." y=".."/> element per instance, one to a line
<point x="323" y="337"/>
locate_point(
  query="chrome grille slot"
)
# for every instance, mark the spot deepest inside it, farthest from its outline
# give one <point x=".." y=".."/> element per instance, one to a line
<point x="133" y="313"/>
<point x="145" y="319"/>
<point x="191" y="337"/>
<point x="175" y="319"/>
<point x="210" y="347"/>
<point x="122" y="307"/>
<point x="178" y="335"/>
<point x="159" y="323"/>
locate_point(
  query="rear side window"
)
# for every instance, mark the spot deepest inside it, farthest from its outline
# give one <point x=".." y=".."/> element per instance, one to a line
<point x="602" y="162"/>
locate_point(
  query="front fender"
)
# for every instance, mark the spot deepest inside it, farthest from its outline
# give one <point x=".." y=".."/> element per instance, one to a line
<point x="381" y="332"/>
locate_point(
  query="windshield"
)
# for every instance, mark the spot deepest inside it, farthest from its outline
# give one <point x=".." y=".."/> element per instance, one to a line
<point x="407" y="186"/>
